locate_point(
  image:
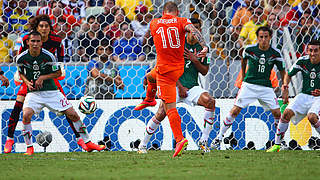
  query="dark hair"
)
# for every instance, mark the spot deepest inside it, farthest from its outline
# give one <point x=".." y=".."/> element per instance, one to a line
<point x="34" y="23"/>
<point x="105" y="42"/>
<point x="62" y="20"/>
<point x="314" y="42"/>
<point x="3" y="32"/>
<point x="195" y="21"/>
<point x="264" y="28"/>
<point x="51" y="3"/>
<point x="170" y="7"/>
<point x="105" y="45"/>
<point x="129" y="26"/>
<point x="110" y="48"/>
<point x="91" y="17"/>
<point x="121" y="9"/>
<point x="31" y="18"/>
<point x="114" y="1"/>
<point x="34" y="33"/>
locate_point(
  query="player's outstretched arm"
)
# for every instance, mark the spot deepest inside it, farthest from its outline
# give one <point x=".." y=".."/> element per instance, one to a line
<point x="283" y="74"/>
<point x="196" y="34"/>
<point x="4" y="79"/>
<point x="243" y="68"/>
<point x="285" y="88"/>
<point x="182" y="90"/>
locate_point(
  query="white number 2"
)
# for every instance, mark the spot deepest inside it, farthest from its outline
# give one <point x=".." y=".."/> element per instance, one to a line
<point x="163" y="37"/>
<point x="188" y="64"/>
<point x="36" y="75"/>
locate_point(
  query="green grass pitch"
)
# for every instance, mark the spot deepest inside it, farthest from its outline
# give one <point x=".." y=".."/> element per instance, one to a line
<point x="244" y="165"/>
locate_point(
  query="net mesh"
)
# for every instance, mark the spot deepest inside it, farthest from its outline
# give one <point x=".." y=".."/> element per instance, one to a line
<point x="94" y="31"/>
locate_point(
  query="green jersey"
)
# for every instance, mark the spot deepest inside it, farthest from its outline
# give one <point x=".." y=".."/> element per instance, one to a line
<point x="190" y="75"/>
<point x="310" y="74"/>
<point x="260" y="64"/>
<point x="34" y="67"/>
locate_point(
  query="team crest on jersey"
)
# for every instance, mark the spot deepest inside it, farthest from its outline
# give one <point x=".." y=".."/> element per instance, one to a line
<point x="262" y="60"/>
<point x="313" y="75"/>
<point x="35" y="67"/>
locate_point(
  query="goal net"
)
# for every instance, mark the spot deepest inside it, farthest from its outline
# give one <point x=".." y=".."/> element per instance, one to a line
<point x="113" y="38"/>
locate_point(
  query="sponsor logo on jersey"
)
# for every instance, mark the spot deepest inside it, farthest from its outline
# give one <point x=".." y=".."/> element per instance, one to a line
<point x="55" y="68"/>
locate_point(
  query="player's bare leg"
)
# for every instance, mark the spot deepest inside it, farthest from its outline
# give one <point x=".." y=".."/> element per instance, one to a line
<point x="151" y="128"/>
<point x="27" y="129"/>
<point x="314" y="120"/>
<point x="281" y="129"/>
<point x="208" y="102"/>
<point x="150" y="93"/>
<point x="82" y="130"/>
<point x="276" y="115"/>
<point x="227" y="123"/>
<point x="14" y="119"/>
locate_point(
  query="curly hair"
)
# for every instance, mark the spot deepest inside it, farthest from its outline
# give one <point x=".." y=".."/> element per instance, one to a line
<point x="34" y="23"/>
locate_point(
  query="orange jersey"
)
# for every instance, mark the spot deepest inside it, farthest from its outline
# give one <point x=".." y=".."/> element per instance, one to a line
<point x="168" y="35"/>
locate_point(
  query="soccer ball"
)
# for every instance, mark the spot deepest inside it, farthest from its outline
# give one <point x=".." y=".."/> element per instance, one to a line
<point x="87" y="105"/>
<point x="44" y="138"/>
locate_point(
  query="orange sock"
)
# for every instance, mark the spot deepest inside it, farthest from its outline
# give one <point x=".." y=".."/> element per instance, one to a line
<point x="151" y="91"/>
<point x="175" y="123"/>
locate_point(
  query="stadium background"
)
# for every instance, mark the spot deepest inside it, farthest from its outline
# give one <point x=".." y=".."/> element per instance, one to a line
<point x="115" y="117"/>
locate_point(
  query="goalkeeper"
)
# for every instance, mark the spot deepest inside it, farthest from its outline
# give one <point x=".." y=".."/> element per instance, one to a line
<point x="52" y="43"/>
<point x="38" y="68"/>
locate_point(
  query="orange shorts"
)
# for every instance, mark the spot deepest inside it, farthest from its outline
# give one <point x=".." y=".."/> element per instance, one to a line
<point x="166" y="85"/>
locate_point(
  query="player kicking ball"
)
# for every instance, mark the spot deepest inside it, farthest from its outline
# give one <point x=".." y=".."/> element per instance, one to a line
<point x="261" y="58"/>
<point x="168" y="33"/>
<point x="188" y="91"/>
<point x="37" y="68"/>
<point x="307" y="102"/>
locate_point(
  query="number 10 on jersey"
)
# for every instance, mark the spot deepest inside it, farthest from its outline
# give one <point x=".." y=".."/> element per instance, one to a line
<point x="170" y="30"/>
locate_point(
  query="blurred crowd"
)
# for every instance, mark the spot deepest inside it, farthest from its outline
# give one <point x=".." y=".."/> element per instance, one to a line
<point x="121" y="30"/>
<point x="241" y="18"/>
